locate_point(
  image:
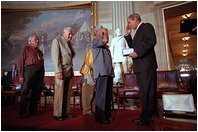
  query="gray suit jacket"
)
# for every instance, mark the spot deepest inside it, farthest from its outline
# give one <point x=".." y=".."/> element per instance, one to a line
<point x="62" y="55"/>
<point x="102" y="59"/>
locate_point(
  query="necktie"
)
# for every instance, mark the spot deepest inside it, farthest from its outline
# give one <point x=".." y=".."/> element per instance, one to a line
<point x="13" y="75"/>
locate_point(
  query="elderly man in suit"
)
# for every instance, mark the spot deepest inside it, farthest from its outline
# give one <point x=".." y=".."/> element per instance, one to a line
<point x="62" y="55"/>
<point x="144" y="63"/>
<point x="31" y="74"/>
<point x="103" y="73"/>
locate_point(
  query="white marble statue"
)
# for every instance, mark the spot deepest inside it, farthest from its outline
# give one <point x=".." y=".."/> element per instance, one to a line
<point x="120" y="62"/>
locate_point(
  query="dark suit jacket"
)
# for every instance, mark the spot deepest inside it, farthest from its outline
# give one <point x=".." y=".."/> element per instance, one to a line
<point x="143" y="44"/>
<point x="9" y="76"/>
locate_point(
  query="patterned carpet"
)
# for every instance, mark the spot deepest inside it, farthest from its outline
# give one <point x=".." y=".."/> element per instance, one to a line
<point x="122" y="121"/>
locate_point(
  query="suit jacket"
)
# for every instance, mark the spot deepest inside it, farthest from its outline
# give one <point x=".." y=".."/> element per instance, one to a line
<point x="62" y="54"/>
<point x="102" y="59"/>
<point x="9" y="76"/>
<point x="143" y="44"/>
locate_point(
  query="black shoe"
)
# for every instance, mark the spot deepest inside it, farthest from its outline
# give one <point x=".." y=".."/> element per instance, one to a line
<point x="110" y="119"/>
<point x="36" y="113"/>
<point x="144" y="123"/>
<point x="105" y="121"/>
<point x="136" y="121"/>
<point x="24" y="116"/>
<point x="89" y="114"/>
<point x="68" y="115"/>
<point x="58" y="118"/>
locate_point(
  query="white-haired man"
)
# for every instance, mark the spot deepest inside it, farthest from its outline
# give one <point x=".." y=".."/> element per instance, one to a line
<point x="31" y="74"/>
<point x="62" y="55"/>
<point x="103" y="74"/>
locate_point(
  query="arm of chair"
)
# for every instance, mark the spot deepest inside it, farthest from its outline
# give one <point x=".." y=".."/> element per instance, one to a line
<point x="131" y="92"/>
<point x="79" y="85"/>
<point x="119" y="90"/>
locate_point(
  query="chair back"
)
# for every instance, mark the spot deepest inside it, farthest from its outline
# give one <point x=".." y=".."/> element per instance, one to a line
<point x="129" y="81"/>
<point x="167" y="81"/>
<point x="76" y="91"/>
<point x="49" y="85"/>
<point x="49" y="80"/>
<point x="77" y="83"/>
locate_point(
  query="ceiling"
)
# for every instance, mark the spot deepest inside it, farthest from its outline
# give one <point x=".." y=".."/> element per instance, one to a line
<point x="173" y="18"/>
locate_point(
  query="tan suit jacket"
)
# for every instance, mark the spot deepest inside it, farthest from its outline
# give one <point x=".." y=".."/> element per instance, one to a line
<point x="62" y="55"/>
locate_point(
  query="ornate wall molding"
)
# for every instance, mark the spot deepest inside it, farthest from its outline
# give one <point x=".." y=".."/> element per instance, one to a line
<point x="44" y="5"/>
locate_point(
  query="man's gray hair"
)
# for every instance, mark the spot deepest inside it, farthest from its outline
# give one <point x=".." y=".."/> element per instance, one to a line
<point x="135" y="15"/>
<point x="30" y="37"/>
<point x="98" y="27"/>
<point x="67" y="28"/>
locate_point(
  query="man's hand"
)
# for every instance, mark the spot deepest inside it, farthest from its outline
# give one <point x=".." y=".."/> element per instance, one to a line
<point x="133" y="55"/>
<point x="128" y="29"/>
<point x="21" y="80"/>
<point x="60" y="75"/>
<point x="105" y="37"/>
<point x="105" y="30"/>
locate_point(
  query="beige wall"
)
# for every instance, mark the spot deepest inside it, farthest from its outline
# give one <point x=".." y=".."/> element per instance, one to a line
<point x="150" y="12"/>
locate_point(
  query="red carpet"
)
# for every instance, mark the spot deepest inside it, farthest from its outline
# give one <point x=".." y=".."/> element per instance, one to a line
<point x="121" y="122"/>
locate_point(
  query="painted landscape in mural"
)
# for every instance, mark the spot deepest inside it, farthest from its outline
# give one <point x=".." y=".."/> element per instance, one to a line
<point x="17" y="26"/>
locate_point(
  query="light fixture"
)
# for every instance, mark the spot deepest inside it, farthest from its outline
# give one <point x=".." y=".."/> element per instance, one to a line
<point x="184" y="54"/>
<point x="187" y="16"/>
<point x="185" y="45"/>
<point x="186" y="38"/>
<point x="184" y="50"/>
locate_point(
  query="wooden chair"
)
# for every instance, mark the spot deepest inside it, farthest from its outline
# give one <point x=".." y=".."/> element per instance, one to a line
<point x="169" y="82"/>
<point x="48" y="91"/>
<point x="129" y="90"/>
<point x="76" y="91"/>
<point x="15" y="91"/>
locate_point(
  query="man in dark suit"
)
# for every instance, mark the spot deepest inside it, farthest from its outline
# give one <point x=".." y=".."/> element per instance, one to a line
<point x="144" y="64"/>
<point x="12" y="74"/>
<point x="9" y="82"/>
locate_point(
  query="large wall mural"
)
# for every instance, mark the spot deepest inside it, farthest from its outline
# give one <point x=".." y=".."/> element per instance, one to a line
<point x="17" y="26"/>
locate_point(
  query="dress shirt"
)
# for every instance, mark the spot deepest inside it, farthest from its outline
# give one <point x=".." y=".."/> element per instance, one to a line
<point x="30" y="56"/>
